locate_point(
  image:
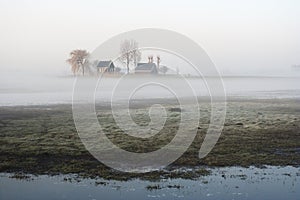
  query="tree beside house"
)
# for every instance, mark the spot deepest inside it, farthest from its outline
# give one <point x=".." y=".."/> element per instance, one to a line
<point x="130" y="55"/>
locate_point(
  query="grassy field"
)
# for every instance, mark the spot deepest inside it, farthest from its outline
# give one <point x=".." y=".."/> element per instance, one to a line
<point x="43" y="139"/>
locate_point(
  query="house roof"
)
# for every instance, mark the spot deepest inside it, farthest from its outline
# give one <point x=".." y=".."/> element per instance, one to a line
<point x="104" y="63"/>
<point x="146" y="66"/>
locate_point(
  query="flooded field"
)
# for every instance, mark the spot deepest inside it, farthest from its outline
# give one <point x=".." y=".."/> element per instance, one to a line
<point x="262" y="128"/>
<point x="40" y="90"/>
<point x="270" y="183"/>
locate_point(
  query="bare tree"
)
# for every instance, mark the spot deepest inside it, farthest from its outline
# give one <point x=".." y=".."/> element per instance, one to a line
<point x="78" y="60"/>
<point x="73" y="62"/>
<point x="136" y="53"/>
<point x="125" y="51"/>
<point x="130" y="53"/>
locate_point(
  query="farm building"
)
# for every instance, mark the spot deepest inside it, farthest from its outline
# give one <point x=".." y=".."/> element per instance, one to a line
<point x="105" y="66"/>
<point x="146" y="68"/>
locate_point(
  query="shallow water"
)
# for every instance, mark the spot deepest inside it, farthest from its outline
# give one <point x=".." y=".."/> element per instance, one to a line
<point x="224" y="183"/>
<point x="37" y="90"/>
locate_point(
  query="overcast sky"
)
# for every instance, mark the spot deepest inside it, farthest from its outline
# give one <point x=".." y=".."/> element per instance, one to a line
<point x="249" y="37"/>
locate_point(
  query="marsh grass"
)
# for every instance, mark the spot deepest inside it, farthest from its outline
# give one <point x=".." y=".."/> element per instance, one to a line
<point x="43" y="140"/>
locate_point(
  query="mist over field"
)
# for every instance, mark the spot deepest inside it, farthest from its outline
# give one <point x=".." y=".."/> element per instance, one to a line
<point x="43" y="89"/>
<point x="249" y="38"/>
<point x="195" y="99"/>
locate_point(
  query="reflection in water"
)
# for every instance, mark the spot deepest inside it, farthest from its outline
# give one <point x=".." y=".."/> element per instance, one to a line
<point x="224" y="183"/>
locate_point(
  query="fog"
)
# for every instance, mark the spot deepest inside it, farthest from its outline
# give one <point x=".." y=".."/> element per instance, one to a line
<point x="40" y="90"/>
<point x="242" y="38"/>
